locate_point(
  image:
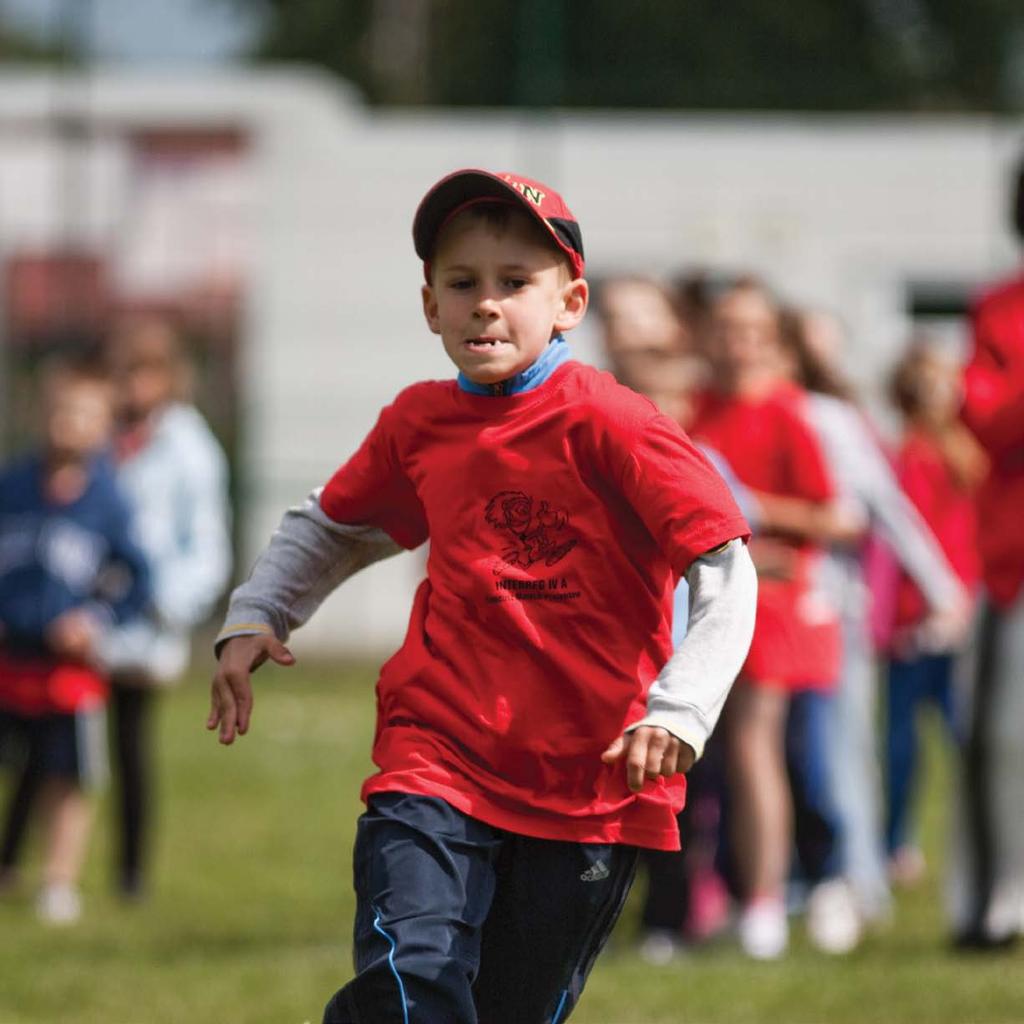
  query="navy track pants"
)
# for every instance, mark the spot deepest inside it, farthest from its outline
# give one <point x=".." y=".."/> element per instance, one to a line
<point x="459" y="922"/>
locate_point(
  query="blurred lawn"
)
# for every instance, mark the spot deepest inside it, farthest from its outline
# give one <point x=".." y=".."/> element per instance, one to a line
<point x="250" y="915"/>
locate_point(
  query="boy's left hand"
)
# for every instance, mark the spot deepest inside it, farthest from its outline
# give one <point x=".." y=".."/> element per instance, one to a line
<point x="650" y="751"/>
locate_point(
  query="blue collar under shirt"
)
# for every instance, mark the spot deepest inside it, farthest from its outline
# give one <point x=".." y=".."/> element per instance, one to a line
<point x="533" y="376"/>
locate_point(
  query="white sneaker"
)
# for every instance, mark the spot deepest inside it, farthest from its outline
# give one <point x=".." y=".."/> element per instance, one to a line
<point x="763" y="929"/>
<point x="59" y="904"/>
<point x="833" y="923"/>
<point x="659" y="947"/>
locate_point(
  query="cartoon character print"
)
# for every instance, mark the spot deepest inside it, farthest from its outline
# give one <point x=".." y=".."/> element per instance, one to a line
<point x="532" y="535"/>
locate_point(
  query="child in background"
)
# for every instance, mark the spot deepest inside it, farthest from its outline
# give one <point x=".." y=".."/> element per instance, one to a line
<point x="756" y="419"/>
<point x="648" y="345"/>
<point x="68" y="571"/>
<point x="886" y="521"/>
<point x="986" y="881"/>
<point x="650" y="349"/>
<point x="532" y="729"/>
<point x="940" y="467"/>
<point x="174" y="473"/>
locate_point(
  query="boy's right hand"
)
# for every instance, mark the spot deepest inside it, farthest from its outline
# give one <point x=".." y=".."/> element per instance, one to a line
<point x="72" y="635"/>
<point x="231" y="690"/>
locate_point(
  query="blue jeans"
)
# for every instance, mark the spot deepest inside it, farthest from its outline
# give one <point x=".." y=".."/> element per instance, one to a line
<point x="809" y="730"/>
<point x="926" y="679"/>
<point x="459" y="922"/>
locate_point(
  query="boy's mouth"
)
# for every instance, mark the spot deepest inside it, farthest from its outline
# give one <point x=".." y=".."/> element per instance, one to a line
<point x="485" y="343"/>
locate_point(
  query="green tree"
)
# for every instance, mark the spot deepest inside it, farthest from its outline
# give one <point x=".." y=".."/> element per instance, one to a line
<point x="16" y="48"/>
<point x="698" y="54"/>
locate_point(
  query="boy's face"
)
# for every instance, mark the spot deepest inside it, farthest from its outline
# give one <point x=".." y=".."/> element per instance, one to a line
<point x="498" y="296"/>
<point x="78" y="417"/>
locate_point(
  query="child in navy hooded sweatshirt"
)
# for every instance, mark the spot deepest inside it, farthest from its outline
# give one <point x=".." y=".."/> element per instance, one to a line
<point x="68" y="570"/>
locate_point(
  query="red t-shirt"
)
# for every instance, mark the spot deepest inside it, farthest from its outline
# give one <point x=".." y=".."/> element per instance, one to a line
<point x="947" y="508"/>
<point x="994" y="410"/>
<point x="771" y="448"/>
<point x="560" y="520"/>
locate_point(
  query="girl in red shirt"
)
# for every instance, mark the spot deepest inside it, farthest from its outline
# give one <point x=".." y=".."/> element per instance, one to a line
<point x="755" y="419"/>
<point x="940" y="467"/>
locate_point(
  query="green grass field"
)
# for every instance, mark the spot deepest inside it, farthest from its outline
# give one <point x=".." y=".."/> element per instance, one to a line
<point x="251" y="908"/>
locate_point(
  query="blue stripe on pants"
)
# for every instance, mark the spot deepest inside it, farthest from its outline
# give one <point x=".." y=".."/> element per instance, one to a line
<point x="394" y="969"/>
<point x="475" y="924"/>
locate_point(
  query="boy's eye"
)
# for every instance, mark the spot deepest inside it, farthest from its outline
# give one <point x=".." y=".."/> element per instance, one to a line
<point x="516" y="282"/>
<point x="461" y="283"/>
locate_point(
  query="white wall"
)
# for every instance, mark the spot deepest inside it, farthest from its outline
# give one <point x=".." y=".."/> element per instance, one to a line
<point x="838" y="212"/>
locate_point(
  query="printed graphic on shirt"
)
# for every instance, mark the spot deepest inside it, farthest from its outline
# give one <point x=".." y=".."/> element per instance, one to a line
<point x="532" y="532"/>
<point x="71" y="553"/>
<point x="531" y="535"/>
<point x="68" y="551"/>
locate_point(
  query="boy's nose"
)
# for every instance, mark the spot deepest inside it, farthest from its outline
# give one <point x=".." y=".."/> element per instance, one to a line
<point x="486" y="308"/>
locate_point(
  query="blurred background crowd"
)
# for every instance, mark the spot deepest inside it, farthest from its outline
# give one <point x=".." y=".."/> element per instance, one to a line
<point x="869" y="570"/>
<point x="209" y="289"/>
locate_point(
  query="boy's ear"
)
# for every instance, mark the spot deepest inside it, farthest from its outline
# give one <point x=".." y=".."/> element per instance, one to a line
<point x="575" y="299"/>
<point x="430" y="309"/>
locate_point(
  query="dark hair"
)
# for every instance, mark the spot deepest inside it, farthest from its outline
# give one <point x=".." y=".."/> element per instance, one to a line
<point x="494" y="214"/>
<point x="78" y="367"/>
<point x="694" y="292"/>
<point x="135" y="329"/>
<point x="813" y="373"/>
<point x="498" y="215"/>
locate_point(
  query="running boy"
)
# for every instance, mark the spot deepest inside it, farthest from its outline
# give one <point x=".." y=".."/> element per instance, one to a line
<point x="532" y="729"/>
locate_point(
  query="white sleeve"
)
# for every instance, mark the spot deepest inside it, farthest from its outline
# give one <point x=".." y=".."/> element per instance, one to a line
<point x="690" y="691"/>
<point x="902" y="525"/>
<point x="308" y="557"/>
<point x="189" y="583"/>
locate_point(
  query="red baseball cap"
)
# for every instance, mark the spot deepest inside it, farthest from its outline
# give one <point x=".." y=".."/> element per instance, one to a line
<point x="454" y="192"/>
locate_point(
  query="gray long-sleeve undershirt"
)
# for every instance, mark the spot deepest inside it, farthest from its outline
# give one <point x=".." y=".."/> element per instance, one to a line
<point x="310" y="555"/>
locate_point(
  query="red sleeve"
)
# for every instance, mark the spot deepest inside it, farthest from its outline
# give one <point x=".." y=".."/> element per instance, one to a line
<point x="806" y="468"/>
<point x="372" y="489"/>
<point x="678" y="494"/>
<point x="993" y="394"/>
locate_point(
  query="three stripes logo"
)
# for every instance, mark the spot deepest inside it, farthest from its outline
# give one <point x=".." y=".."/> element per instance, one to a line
<point x="597" y="872"/>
